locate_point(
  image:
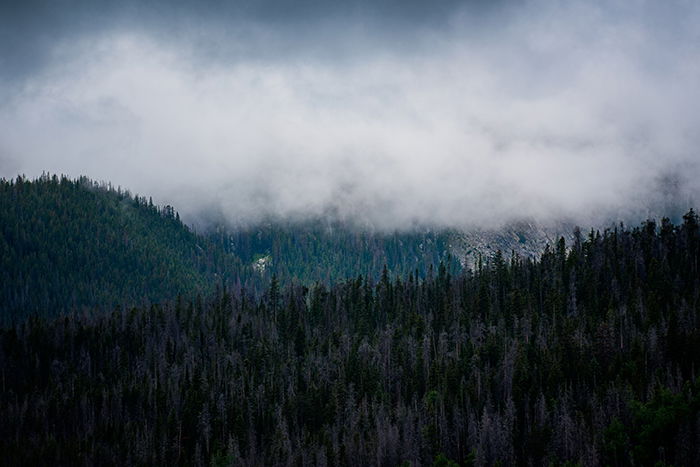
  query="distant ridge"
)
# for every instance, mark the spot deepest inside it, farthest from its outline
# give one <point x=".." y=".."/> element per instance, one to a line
<point x="69" y="245"/>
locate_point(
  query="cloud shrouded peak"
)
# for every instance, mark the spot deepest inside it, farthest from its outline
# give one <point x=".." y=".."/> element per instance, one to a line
<point x="466" y="115"/>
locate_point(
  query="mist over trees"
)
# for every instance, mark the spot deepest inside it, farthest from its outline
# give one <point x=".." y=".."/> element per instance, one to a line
<point x="76" y="245"/>
<point x="587" y="356"/>
<point x="440" y="113"/>
<point x="374" y="260"/>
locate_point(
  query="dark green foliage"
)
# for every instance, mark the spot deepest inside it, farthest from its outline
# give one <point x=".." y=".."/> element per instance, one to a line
<point x="324" y="251"/>
<point x="442" y="461"/>
<point x="658" y="430"/>
<point x="588" y="356"/>
<point x="68" y="245"/>
<point x="656" y="425"/>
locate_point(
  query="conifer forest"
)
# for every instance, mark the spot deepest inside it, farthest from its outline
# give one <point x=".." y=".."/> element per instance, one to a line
<point x="181" y="353"/>
<point x="352" y="233"/>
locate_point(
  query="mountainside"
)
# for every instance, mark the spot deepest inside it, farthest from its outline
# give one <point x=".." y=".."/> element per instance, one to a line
<point x="326" y="251"/>
<point x="586" y="356"/>
<point x="329" y="251"/>
<point x="525" y="239"/>
<point x="67" y="245"/>
<point x="318" y="343"/>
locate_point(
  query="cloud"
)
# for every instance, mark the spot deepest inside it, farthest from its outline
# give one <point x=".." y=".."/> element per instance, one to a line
<point x="542" y="110"/>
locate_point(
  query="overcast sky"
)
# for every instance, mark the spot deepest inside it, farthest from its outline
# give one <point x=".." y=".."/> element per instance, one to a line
<point x="390" y="112"/>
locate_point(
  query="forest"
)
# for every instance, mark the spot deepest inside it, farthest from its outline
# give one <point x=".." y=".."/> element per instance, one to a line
<point x="587" y="355"/>
<point x="79" y="245"/>
<point x="391" y="233"/>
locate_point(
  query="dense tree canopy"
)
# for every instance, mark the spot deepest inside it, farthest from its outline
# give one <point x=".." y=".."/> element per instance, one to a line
<point x="68" y="245"/>
<point x="588" y="355"/>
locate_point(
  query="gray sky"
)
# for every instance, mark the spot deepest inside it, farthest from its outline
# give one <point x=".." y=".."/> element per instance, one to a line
<point x="394" y="113"/>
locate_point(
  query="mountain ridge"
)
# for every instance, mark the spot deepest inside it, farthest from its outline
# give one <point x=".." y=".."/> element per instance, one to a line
<point x="70" y="245"/>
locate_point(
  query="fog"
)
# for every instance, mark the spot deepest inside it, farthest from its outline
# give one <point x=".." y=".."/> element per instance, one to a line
<point x="471" y="116"/>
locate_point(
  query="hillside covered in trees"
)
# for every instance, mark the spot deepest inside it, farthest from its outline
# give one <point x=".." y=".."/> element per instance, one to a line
<point x="588" y="355"/>
<point x="69" y="245"/>
<point x="72" y="245"/>
<point x="328" y="251"/>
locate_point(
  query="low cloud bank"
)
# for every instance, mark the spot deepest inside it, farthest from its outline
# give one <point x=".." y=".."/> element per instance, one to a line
<point x="578" y="112"/>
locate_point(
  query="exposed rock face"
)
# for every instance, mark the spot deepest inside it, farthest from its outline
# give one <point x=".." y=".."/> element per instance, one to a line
<point x="526" y="239"/>
<point x="260" y="264"/>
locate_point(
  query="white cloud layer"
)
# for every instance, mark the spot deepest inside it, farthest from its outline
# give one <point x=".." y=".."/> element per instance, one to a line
<point x="571" y="111"/>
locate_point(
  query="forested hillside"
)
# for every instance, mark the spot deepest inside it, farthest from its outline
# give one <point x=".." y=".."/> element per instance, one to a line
<point x="588" y="356"/>
<point x="69" y="245"/>
<point x="66" y="245"/>
<point x="328" y="251"/>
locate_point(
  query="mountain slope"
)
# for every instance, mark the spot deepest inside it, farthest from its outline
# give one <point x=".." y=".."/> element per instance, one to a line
<point x="588" y="355"/>
<point x="525" y="239"/>
<point x="325" y="251"/>
<point x="67" y="245"/>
